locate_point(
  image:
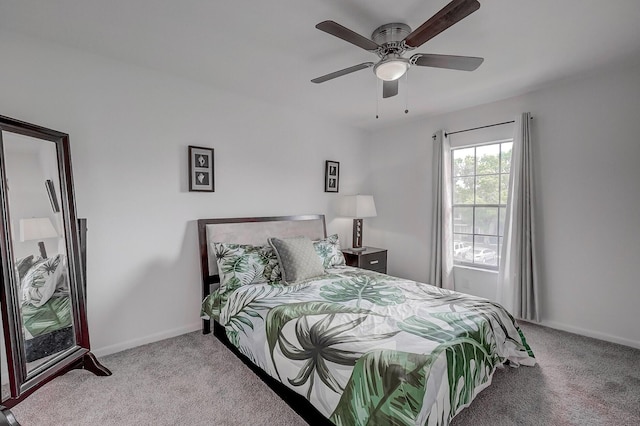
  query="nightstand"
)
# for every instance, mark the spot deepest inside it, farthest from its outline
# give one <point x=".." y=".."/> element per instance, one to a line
<point x="372" y="258"/>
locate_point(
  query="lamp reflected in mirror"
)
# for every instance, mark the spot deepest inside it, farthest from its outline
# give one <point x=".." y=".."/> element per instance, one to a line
<point x="37" y="229"/>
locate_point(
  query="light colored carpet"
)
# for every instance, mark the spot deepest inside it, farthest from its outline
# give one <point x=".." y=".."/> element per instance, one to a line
<point x="195" y="380"/>
<point x="578" y="381"/>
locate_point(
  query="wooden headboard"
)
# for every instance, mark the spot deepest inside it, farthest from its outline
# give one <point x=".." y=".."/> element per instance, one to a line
<point x="248" y="230"/>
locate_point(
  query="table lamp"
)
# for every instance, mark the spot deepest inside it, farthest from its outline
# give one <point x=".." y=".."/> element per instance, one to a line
<point x="37" y="228"/>
<point x="358" y="207"/>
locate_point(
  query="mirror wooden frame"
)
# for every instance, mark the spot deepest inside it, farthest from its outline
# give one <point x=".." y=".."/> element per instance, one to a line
<point x="21" y="382"/>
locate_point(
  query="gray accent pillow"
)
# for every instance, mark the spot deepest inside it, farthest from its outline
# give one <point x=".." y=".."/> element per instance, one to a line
<point x="298" y="259"/>
<point x="24" y="264"/>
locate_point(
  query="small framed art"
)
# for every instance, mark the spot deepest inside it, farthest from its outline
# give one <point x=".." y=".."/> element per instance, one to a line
<point x="331" y="176"/>
<point x="201" y="169"/>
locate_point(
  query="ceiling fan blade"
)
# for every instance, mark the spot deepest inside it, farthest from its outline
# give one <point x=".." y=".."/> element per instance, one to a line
<point x="463" y="63"/>
<point x="340" y="73"/>
<point x="452" y="13"/>
<point x="389" y="88"/>
<point x="346" y="34"/>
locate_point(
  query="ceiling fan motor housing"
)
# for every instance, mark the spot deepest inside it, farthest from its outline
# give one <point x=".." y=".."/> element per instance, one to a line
<point x="389" y="33"/>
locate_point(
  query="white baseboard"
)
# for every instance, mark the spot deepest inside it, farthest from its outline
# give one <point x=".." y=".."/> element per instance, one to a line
<point x="118" y="347"/>
<point x="589" y="333"/>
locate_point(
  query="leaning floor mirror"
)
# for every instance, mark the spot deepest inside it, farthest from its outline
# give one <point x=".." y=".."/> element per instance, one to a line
<point x="43" y="293"/>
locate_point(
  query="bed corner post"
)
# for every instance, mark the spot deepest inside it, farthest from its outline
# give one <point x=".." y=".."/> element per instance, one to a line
<point x="204" y="269"/>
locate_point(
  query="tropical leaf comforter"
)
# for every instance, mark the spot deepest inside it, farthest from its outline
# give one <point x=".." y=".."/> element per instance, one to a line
<point x="54" y="315"/>
<point x="367" y="348"/>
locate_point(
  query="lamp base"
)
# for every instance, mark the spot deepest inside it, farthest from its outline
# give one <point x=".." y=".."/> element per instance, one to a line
<point x="43" y="251"/>
<point x="358" y="248"/>
<point x="357" y="234"/>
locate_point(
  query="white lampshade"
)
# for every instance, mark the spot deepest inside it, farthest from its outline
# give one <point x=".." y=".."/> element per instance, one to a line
<point x="358" y="206"/>
<point x="37" y="228"/>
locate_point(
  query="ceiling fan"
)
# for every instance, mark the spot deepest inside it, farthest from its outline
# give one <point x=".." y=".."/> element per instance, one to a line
<point x="391" y="41"/>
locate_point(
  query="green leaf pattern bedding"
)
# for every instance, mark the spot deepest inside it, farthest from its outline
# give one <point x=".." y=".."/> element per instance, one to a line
<point x="367" y="348"/>
<point x="54" y="315"/>
<point x="46" y="305"/>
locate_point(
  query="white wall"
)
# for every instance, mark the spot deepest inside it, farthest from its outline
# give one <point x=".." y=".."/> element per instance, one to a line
<point x="587" y="154"/>
<point x="26" y="173"/>
<point x="129" y="129"/>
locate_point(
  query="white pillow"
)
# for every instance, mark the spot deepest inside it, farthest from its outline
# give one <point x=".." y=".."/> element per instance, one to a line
<point x="329" y="251"/>
<point x="41" y="281"/>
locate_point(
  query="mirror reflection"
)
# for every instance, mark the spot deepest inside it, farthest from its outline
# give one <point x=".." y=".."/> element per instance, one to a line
<point x="39" y="246"/>
<point x="4" y="371"/>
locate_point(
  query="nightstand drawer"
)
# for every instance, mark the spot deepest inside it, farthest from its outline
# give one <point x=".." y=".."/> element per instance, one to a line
<point x="373" y="259"/>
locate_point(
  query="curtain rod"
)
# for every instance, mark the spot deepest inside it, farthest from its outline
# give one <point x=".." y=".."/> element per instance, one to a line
<point x="478" y="128"/>
<point x="481" y="127"/>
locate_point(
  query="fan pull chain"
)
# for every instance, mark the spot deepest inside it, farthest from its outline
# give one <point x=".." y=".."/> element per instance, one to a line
<point x="406" y="93"/>
<point x="377" y="98"/>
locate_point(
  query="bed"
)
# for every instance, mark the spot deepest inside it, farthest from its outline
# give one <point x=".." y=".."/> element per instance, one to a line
<point x="355" y="346"/>
<point x="45" y="306"/>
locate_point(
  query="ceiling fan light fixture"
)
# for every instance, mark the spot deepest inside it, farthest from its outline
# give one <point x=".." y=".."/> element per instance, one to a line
<point x="392" y="69"/>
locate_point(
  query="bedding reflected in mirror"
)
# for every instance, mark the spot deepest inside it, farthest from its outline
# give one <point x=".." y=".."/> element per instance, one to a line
<point x="39" y="247"/>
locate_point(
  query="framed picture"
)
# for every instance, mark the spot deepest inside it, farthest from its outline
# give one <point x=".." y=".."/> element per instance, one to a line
<point x="52" y="195"/>
<point x="331" y="176"/>
<point x="201" y="169"/>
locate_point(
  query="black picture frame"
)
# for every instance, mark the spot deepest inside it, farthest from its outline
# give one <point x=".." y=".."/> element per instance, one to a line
<point x="51" y="190"/>
<point x="332" y="176"/>
<point x="201" y="177"/>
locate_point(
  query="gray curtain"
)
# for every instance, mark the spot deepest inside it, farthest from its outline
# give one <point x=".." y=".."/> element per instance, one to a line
<point x="518" y="276"/>
<point x="441" y="274"/>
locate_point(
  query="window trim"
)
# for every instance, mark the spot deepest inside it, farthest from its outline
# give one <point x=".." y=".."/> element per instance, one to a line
<point x="473" y="206"/>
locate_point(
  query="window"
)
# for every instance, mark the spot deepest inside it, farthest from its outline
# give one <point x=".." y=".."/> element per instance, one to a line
<point x="480" y="186"/>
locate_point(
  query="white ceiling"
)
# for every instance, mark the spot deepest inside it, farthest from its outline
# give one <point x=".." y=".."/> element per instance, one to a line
<point x="270" y="50"/>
